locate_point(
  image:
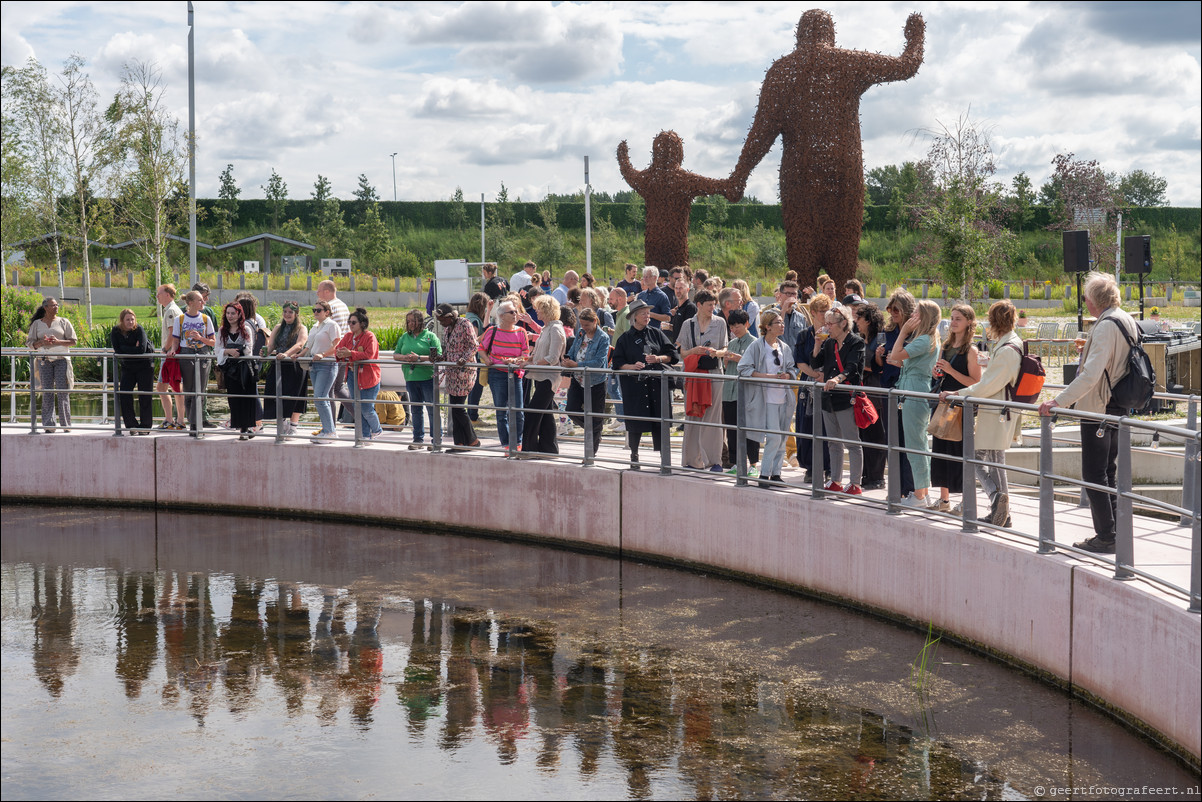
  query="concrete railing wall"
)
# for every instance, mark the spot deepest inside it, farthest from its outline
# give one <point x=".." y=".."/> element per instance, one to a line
<point x="1135" y="650"/>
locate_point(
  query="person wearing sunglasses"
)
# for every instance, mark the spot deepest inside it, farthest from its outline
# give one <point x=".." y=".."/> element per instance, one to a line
<point x="770" y="407"/>
<point x="840" y="358"/>
<point x="360" y="345"/>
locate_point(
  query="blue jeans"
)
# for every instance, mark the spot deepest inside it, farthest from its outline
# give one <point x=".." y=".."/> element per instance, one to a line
<point x="615" y="392"/>
<point x="498" y="384"/>
<point x="322" y="376"/>
<point x="421" y="394"/>
<point x="371" y="421"/>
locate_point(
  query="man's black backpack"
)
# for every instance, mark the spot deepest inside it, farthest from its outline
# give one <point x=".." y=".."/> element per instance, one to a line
<point x="1133" y="391"/>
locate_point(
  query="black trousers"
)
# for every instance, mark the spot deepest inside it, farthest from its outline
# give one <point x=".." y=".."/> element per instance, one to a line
<point x="462" y="432"/>
<point x="730" y="416"/>
<point x="140" y="376"/>
<point x="539" y="431"/>
<point x="1099" y="465"/>
<point x="597" y="402"/>
<point x="805" y="425"/>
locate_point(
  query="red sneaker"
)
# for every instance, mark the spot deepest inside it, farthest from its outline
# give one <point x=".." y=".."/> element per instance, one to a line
<point x="834" y="487"/>
<point x="854" y="490"/>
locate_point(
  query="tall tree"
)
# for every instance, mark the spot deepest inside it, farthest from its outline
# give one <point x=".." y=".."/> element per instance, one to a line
<point x="36" y="123"/>
<point x="225" y="213"/>
<point x="365" y="195"/>
<point x="375" y="238"/>
<point x="276" y="193"/>
<point x="458" y="209"/>
<point x="879" y="183"/>
<point x="148" y="145"/>
<point x="962" y="212"/>
<point x="1023" y="200"/>
<point x="86" y="139"/>
<point x="1141" y="189"/>
<point x="321" y="189"/>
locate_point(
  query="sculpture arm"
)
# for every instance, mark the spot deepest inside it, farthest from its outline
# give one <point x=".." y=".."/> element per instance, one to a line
<point x="633" y="177"/>
<point x="765" y="127"/>
<point x="875" y="68"/>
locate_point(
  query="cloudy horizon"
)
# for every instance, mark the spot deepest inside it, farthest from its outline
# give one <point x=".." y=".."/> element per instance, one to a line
<point x="475" y="94"/>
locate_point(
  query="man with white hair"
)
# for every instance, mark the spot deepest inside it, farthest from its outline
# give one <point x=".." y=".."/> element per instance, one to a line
<point x="656" y="298"/>
<point x="1103" y="362"/>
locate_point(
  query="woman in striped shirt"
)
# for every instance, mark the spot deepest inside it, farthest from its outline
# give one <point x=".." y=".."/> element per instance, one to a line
<point x="505" y="345"/>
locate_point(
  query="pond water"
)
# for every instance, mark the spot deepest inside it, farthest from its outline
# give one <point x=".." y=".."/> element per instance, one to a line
<point x="158" y="655"/>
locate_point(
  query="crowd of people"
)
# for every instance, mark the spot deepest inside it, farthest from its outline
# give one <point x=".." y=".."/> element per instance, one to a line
<point x="517" y="337"/>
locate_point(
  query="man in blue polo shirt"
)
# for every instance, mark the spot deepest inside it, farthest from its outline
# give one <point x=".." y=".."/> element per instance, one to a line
<point x="661" y="307"/>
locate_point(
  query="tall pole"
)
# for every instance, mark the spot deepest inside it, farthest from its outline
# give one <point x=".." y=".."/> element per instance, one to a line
<point x="394" y="178"/>
<point x="191" y="148"/>
<point x="482" y="227"/>
<point x="588" y="222"/>
<point x="1118" y="251"/>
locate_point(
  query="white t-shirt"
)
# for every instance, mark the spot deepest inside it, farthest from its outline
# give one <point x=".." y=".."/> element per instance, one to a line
<point x="171" y="313"/>
<point x="323" y="336"/>
<point x="339" y="314"/>
<point x="198" y="323"/>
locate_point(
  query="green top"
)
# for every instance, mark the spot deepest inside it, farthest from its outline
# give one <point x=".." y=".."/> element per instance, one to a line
<point x="916" y="370"/>
<point x="425" y="343"/>
<point x="737" y="345"/>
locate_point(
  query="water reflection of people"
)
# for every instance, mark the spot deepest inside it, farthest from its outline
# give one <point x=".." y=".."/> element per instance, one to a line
<point x="462" y="680"/>
<point x="189" y="641"/>
<point x="366" y="659"/>
<point x="421" y="692"/>
<point x="645" y="735"/>
<point x="55" y="655"/>
<point x="137" y="630"/>
<point x="288" y="624"/>
<point x="242" y="644"/>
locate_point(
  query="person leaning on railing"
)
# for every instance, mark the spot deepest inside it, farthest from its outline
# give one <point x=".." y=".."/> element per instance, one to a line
<point x="1103" y="362"/>
<point x="590" y="349"/>
<point x="916" y="351"/>
<point x="235" y="341"/>
<point x="995" y="428"/>
<point x="360" y="345"/>
<point x="323" y="339"/>
<point x="416" y="346"/>
<point x="840" y="358"/>
<point x="539" y="434"/>
<point x="51" y="336"/>
<point x="130" y="344"/>
<point x="286" y="343"/>
<point x="193" y="337"/>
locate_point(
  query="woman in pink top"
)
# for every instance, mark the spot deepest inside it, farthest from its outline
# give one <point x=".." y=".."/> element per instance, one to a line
<point x="359" y="345"/>
<point x="505" y="345"/>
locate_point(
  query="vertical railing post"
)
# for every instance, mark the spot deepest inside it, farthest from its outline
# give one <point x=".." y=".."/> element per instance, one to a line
<point x="968" y="452"/>
<point x="357" y="407"/>
<point x="197" y="399"/>
<point x="104" y="384"/>
<point x="665" y="424"/>
<point x="893" y="479"/>
<point x="116" y="397"/>
<point x="740" y="432"/>
<point x="817" y="445"/>
<point x="510" y="412"/>
<point x="436" y="415"/>
<point x="1047" y="491"/>
<point x="1195" y="563"/>
<point x="587" y="411"/>
<point x="278" y="373"/>
<point x="1124" y="525"/>
<point x="12" y="396"/>
<point x="1189" y="487"/>
<point x="33" y="397"/>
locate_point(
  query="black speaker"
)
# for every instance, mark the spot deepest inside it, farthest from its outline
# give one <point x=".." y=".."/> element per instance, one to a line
<point x="1076" y="251"/>
<point x="1137" y="254"/>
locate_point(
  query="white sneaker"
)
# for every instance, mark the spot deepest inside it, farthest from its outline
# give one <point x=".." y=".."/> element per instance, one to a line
<point x="957" y="509"/>
<point x="913" y="502"/>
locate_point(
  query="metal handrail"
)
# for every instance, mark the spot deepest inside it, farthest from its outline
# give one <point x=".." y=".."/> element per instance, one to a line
<point x="1124" y="568"/>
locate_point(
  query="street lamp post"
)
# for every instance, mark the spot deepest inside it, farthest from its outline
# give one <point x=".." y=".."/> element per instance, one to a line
<point x="394" y="178"/>
<point x="191" y="148"/>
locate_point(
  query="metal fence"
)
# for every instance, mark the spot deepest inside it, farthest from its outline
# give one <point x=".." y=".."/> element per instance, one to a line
<point x="1188" y="512"/>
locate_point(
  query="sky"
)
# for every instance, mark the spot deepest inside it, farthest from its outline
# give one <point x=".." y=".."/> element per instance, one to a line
<point x="477" y="94"/>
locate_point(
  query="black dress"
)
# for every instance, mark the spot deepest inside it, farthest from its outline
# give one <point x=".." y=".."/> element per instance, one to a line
<point x="641" y="393"/>
<point x="944" y="472"/>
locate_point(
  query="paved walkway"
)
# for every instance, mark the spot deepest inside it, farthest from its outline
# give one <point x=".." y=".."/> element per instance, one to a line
<point x="1162" y="547"/>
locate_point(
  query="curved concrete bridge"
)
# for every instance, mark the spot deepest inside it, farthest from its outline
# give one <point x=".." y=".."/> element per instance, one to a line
<point x="1127" y="645"/>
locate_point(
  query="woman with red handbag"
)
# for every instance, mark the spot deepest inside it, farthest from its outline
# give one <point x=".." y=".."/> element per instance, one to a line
<point x="840" y="357"/>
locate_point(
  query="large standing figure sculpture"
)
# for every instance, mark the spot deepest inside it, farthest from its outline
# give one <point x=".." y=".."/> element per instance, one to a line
<point x="811" y="98"/>
<point x="668" y="191"/>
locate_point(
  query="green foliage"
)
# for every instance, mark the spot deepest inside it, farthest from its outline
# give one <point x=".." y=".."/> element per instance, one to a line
<point x="552" y="252"/>
<point x="1143" y="189"/>
<point x="276" y="193"/>
<point x="17" y="306"/>
<point x="996" y="289"/>
<point x="458" y="213"/>
<point x="768" y="249"/>
<point x="365" y="195"/>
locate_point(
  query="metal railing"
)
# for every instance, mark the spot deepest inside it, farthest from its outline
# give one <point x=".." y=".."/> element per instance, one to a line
<point x="1188" y="513"/>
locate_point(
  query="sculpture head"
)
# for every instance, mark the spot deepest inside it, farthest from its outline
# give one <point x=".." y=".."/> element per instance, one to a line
<point x="816" y="28"/>
<point x="667" y="150"/>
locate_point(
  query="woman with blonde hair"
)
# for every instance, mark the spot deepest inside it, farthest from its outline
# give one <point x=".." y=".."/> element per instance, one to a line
<point x="956" y="368"/>
<point x="540" y="433"/>
<point x="995" y="428"/>
<point x="769" y="406"/>
<point x="915" y="352"/>
<point x="815" y="311"/>
<point x="749" y="305"/>
<point x="505" y="344"/>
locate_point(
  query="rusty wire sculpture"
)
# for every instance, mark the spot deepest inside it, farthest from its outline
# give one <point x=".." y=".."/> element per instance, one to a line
<point x="668" y="191"/>
<point x="811" y="98"/>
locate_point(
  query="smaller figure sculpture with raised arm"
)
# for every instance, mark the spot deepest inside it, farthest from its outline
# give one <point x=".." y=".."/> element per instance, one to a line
<point x="811" y="98"/>
<point x="668" y="191"/>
